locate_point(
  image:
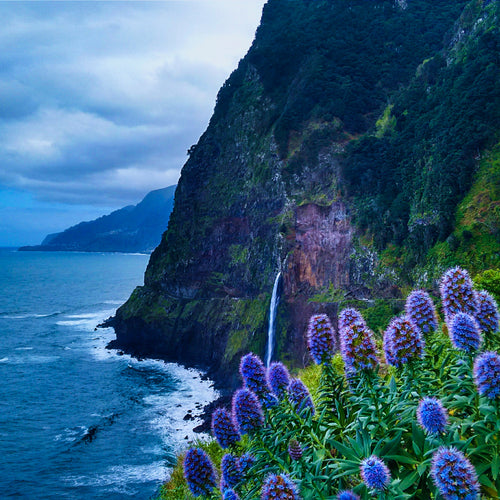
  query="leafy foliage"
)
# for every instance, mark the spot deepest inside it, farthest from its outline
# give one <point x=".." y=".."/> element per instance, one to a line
<point x="426" y="429"/>
<point x="407" y="182"/>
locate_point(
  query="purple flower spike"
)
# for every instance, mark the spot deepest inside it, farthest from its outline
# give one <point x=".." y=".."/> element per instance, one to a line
<point x="348" y="495"/>
<point x="246" y="461"/>
<point x="375" y="473"/>
<point x="253" y="372"/>
<point x="432" y="416"/>
<point x="320" y="339"/>
<point x="223" y="428"/>
<point x="420" y="309"/>
<point x="357" y="346"/>
<point x="300" y="396"/>
<point x="486" y="312"/>
<point x="454" y="476"/>
<point x="464" y="333"/>
<point x="279" y="487"/>
<point x="247" y="411"/>
<point x="349" y="317"/>
<point x="403" y="342"/>
<point x="278" y="378"/>
<point x="456" y="293"/>
<point x="230" y="495"/>
<point x="230" y="469"/>
<point x="268" y="400"/>
<point x="294" y="449"/>
<point x="487" y="374"/>
<point x="199" y="472"/>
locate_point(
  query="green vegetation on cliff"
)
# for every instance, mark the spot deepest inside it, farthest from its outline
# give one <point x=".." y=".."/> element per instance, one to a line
<point x="354" y="149"/>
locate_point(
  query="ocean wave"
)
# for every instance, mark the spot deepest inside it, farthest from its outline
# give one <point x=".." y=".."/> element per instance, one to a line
<point x="85" y="321"/>
<point x="121" y="478"/>
<point x="13" y="315"/>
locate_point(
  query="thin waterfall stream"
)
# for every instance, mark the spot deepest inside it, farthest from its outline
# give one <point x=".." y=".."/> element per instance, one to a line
<point x="273" y="307"/>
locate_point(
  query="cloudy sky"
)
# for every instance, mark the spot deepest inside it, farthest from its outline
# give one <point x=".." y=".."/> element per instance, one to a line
<point x="99" y="101"/>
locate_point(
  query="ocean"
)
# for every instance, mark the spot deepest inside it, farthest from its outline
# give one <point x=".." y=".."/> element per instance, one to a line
<point x="78" y="420"/>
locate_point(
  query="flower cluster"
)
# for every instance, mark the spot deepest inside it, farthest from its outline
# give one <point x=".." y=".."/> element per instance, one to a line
<point x="486" y="312"/>
<point x="230" y="495"/>
<point x="223" y="428"/>
<point x="487" y="374"/>
<point x="375" y="473"/>
<point x="246" y="461"/>
<point x="230" y="469"/>
<point x="199" y="472"/>
<point x="464" y="333"/>
<point x="454" y="476"/>
<point x="456" y="293"/>
<point x="279" y="487"/>
<point x="403" y="342"/>
<point x="320" y="338"/>
<point x="432" y="416"/>
<point x="349" y="317"/>
<point x="253" y="372"/>
<point x="294" y="449"/>
<point x="420" y="310"/>
<point x="278" y="379"/>
<point x="347" y="495"/>
<point x="357" y="346"/>
<point x="300" y="396"/>
<point x="247" y="411"/>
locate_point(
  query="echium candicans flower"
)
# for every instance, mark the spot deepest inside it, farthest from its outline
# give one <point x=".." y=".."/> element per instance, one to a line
<point x="453" y="474"/>
<point x="223" y="428"/>
<point x="486" y="312"/>
<point x="487" y="374"/>
<point x="253" y="372"/>
<point x="420" y="309"/>
<point x="268" y="400"/>
<point x="456" y="293"/>
<point x="348" y="317"/>
<point x="247" y="411"/>
<point x="230" y="469"/>
<point x="299" y="395"/>
<point x="278" y="379"/>
<point x="432" y="416"/>
<point x="246" y="461"/>
<point x="320" y="338"/>
<point x="294" y="449"/>
<point x="375" y="473"/>
<point x="279" y="487"/>
<point x="347" y="495"/>
<point x="464" y="333"/>
<point x="357" y="346"/>
<point x="403" y="342"/>
<point x="230" y="495"/>
<point x="199" y="472"/>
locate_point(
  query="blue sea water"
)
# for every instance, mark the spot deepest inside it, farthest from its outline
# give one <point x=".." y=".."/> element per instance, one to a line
<point x="77" y="420"/>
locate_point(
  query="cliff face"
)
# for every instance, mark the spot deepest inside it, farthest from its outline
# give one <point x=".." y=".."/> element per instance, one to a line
<point x="262" y="191"/>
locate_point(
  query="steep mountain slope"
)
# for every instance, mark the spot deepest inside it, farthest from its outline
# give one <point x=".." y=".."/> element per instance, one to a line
<point x="271" y="185"/>
<point x="135" y="228"/>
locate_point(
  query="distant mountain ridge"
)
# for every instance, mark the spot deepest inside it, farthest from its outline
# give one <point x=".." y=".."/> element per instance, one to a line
<point x="134" y="228"/>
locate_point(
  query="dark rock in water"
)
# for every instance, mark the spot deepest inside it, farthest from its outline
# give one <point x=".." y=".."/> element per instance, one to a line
<point x="188" y="416"/>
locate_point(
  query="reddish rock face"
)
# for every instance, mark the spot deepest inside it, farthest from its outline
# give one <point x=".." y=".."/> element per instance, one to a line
<point x="319" y="256"/>
<point x="322" y="246"/>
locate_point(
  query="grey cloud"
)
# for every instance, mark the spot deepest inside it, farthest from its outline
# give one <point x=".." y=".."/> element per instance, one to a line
<point x="100" y="100"/>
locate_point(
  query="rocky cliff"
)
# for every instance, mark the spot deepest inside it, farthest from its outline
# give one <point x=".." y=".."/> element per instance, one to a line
<point x="264" y="189"/>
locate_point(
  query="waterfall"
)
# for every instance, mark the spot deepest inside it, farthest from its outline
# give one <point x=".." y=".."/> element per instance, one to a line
<point x="272" y="319"/>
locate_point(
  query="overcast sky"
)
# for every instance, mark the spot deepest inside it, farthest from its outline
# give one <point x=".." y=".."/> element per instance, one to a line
<point x="99" y="101"/>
